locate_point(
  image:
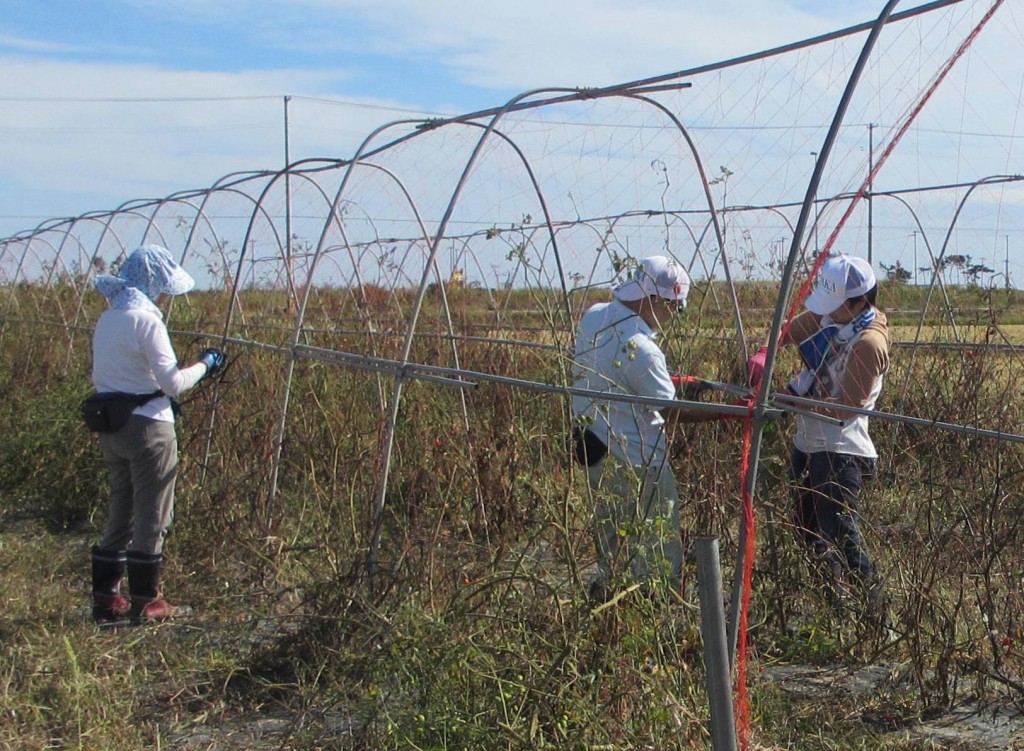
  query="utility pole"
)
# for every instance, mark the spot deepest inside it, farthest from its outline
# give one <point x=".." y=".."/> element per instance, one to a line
<point x="1006" y="264"/>
<point x="915" y="257"/>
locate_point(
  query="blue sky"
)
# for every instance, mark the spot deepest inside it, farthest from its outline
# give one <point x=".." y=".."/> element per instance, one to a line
<point x="81" y="84"/>
<point x="111" y="101"/>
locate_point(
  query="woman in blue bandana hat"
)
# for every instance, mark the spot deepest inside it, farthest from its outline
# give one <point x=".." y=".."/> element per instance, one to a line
<point x="132" y="354"/>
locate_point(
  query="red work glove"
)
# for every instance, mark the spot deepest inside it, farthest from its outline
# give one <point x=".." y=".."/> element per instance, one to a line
<point x="755" y="368"/>
<point x="689" y="386"/>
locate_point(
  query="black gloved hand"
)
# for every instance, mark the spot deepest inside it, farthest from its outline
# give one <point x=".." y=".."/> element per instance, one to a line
<point x="213" y="359"/>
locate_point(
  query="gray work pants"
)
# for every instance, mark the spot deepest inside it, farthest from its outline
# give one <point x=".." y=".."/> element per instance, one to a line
<point x="637" y="520"/>
<point x="142" y="459"/>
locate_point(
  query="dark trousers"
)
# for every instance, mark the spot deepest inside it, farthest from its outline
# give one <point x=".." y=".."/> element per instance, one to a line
<point x="827" y="489"/>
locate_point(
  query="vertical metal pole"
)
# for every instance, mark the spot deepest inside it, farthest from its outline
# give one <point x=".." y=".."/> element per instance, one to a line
<point x="871" y="186"/>
<point x="716" y="648"/>
<point x="288" y="209"/>
<point x="815" y="199"/>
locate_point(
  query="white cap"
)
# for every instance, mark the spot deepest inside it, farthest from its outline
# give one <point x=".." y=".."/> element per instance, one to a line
<point x="659" y="276"/>
<point x="841" y="278"/>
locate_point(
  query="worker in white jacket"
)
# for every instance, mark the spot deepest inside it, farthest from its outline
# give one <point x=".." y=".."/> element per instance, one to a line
<point x="622" y="444"/>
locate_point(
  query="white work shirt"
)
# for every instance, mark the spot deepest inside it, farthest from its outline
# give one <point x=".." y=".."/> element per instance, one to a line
<point x="132" y="353"/>
<point x="616" y="353"/>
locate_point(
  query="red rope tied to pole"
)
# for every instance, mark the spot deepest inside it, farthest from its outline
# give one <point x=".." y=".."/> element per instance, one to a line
<point x="742" y="695"/>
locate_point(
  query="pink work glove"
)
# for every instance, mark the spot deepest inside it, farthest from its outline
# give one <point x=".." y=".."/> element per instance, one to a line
<point x="755" y="368"/>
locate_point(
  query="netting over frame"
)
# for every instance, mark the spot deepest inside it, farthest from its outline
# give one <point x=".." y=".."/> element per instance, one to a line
<point x="442" y="245"/>
<point x="558" y="190"/>
<point x="615" y="173"/>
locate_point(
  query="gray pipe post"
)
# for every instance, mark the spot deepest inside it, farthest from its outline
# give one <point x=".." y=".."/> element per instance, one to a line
<point x="716" y="647"/>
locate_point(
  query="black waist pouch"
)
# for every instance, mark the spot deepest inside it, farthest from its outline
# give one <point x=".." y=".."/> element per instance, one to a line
<point x="587" y="448"/>
<point x="109" y="411"/>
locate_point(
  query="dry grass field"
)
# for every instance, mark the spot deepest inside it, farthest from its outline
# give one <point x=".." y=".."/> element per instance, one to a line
<point x="474" y="630"/>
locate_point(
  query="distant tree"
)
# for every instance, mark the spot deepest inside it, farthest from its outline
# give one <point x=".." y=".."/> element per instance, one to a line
<point x="974" y="272"/>
<point x="963" y="266"/>
<point x="896" y="273"/>
<point x="957" y="262"/>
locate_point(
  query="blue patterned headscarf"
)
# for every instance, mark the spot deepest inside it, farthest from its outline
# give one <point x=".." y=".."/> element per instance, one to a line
<point x="148" y="272"/>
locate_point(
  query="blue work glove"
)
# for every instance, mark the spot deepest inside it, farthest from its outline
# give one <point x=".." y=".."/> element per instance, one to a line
<point x="213" y="359"/>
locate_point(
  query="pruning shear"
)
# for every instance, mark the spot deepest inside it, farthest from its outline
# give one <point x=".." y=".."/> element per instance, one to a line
<point x="693" y="386"/>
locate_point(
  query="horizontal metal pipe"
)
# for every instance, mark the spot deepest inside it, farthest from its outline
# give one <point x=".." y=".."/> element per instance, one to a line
<point x="782" y="403"/>
<point x="905" y="419"/>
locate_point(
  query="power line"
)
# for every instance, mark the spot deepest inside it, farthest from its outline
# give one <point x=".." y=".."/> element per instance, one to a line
<point x="364" y="105"/>
<point x="130" y="100"/>
<point x="253" y="98"/>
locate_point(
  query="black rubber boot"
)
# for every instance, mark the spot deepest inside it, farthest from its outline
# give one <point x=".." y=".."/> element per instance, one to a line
<point x="108" y="604"/>
<point x="144" y="570"/>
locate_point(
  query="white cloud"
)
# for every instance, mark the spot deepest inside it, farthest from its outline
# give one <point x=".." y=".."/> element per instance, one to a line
<point x="24" y="77"/>
<point x="70" y="127"/>
<point x="108" y="152"/>
<point x="33" y="45"/>
<point x="582" y="42"/>
<point x="530" y="43"/>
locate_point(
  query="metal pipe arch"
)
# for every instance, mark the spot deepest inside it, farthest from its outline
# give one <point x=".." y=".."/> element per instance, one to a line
<point x="713" y="215"/>
<point x="300" y="314"/>
<point x="388" y="437"/>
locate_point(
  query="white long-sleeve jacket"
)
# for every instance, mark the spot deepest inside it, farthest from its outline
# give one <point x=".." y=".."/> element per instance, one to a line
<point x="132" y="353"/>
